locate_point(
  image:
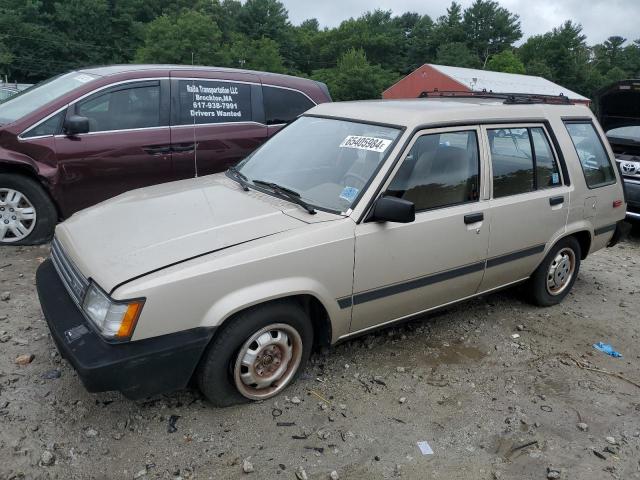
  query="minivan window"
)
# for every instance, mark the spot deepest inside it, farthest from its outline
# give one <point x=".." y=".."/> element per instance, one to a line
<point x="594" y="160"/>
<point x="51" y="126"/>
<point x="122" y="109"/>
<point x="283" y="105"/>
<point x="512" y="161"/>
<point x="213" y="101"/>
<point x="31" y="99"/>
<point x="440" y="170"/>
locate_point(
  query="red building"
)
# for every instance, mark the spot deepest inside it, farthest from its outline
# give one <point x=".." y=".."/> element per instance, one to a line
<point x="431" y="78"/>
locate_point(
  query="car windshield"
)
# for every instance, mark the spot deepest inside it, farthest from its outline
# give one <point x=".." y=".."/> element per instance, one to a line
<point x="34" y="97"/>
<point x="626" y="133"/>
<point x="329" y="162"/>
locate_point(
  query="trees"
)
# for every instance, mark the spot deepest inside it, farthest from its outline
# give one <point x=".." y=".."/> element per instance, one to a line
<point x="40" y="38"/>
<point x="457" y="55"/>
<point x="505" y="61"/>
<point x="354" y="78"/>
<point x="489" y="28"/>
<point x="189" y="37"/>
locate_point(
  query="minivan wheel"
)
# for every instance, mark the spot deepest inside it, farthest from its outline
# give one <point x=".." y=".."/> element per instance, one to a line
<point x="555" y="276"/>
<point x="27" y="215"/>
<point x="257" y="355"/>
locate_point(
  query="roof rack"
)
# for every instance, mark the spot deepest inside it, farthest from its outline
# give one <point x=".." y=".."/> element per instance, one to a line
<point x="509" y="98"/>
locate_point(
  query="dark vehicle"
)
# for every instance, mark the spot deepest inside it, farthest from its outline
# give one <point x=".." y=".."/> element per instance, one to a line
<point x="619" y="113"/>
<point x="88" y="135"/>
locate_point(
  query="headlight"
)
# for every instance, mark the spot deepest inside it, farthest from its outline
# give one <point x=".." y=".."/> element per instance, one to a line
<point x="114" y="319"/>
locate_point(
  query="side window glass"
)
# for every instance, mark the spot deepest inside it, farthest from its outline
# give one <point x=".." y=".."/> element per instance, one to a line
<point x="282" y="105"/>
<point x="135" y="107"/>
<point x="211" y="101"/>
<point x="547" y="174"/>
<point x="595" y="162"/>
<point x="52" y="126"/>
<point x="512" y="161"/>
<point x="441" y="170"/>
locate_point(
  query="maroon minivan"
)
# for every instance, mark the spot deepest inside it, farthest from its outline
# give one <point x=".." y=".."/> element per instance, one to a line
<point x="88" y="135"/>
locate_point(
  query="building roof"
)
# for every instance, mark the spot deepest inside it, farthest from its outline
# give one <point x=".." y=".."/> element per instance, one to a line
<point x="480" y="80"/>
<point x="450" y="110"/>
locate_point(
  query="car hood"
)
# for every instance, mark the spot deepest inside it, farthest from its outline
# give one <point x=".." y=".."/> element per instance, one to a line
<point x="151" y="228"/>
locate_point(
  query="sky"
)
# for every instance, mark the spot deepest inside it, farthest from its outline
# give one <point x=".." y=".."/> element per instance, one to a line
<point x="599" y="18"/>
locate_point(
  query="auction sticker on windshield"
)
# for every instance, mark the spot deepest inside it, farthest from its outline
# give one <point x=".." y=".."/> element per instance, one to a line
<point x="366" y="143"/>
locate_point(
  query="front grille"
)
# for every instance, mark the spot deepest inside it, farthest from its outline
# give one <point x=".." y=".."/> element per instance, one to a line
<point x="73" y="280"/>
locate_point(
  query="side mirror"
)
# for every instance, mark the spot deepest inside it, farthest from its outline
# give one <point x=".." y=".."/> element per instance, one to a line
<point x="76" y="124"/>
<point x="393" y="209"/>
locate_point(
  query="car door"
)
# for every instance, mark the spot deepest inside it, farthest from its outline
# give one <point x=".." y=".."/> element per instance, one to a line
<point x="403" y="269"/>
<point x="529" y="203"/>
<point x="221" y="114"/>
<point x="127" y="147"/>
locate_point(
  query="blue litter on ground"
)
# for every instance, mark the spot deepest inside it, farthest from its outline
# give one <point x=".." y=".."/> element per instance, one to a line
<point x="608" y="349"/>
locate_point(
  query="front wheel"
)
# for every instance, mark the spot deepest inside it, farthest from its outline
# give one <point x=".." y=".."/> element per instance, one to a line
<point x="555" y="276"/>
<point x="27" y="215"/>
<point x="257" y="355"/>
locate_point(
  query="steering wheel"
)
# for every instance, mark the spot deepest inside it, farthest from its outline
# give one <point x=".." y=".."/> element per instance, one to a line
<point x="362" y="180"/>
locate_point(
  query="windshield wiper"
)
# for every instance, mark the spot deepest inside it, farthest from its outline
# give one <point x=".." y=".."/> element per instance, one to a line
<point x="240" y="177"/>
<point x="289" y="194"/>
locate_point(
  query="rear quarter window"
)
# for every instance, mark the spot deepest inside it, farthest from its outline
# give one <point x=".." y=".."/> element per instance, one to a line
<point x="594" y="159"/>
<point x="283" y="105"/>
<point x="213" y="101"/>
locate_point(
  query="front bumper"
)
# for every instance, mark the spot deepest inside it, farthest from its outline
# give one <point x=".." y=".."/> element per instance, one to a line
<point x="137" y="369"/>
<point x="632" y="192"/>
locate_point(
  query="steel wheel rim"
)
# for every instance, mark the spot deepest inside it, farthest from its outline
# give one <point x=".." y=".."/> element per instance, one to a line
<point x="561" y="271"/>
<point x="17" y="215"/>
<point x="267" y="361"/>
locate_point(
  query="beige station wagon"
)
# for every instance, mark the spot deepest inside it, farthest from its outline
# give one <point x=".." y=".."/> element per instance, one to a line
<point x="355" y="216"/>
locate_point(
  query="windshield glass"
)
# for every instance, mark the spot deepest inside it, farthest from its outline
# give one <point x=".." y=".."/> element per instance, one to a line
<point x="38" y="95"/>
<point x="630" y="133"/>
<point x="328" y="162"/>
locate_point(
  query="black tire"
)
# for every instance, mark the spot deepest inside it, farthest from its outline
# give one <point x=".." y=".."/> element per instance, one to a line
<point x="215" y="374"/>
<point x="538" y="291"/>
<point x="46" y="214"/>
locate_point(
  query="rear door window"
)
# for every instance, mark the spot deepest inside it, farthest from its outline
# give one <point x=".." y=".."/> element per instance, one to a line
<point x="512" y="161"/>
<point x="522" y="161"/>
<point x="283" y="105"/>
<point x="547" y="173"/>
<point x="212" y="101"/>
<point x="594" y="159"/>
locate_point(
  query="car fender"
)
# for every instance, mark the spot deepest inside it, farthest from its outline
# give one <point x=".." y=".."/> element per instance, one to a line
<point x="228" y="305"/>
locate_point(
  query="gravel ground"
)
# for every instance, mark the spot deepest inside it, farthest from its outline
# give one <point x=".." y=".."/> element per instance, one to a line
<point x="489" y="405"/>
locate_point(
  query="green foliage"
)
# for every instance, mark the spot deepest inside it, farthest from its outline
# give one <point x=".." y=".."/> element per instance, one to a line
<point x="261" y="54"/>
<point x="354" y="78"/>
<point x="358" y="58"/>
<point x="457" y="55"/>
<point x="490" y="28"/>
<point x="505" y="61"/>
<point x="189" y="37"/>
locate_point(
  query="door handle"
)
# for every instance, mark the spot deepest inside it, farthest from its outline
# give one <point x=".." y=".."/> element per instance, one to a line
<point x="187" y="147"/>
<point x="556" y="200"/>
<point x="473" y="218"/>
<point x="160" y="150"/>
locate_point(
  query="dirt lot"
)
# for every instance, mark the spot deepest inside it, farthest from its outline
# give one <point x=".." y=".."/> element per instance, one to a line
<point x="489" y="405"/>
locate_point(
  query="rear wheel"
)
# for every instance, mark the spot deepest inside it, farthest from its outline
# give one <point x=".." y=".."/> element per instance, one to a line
<point x="555" y="276"/>
<point x="27" y="215"/>
<point x="257" y="355"/>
